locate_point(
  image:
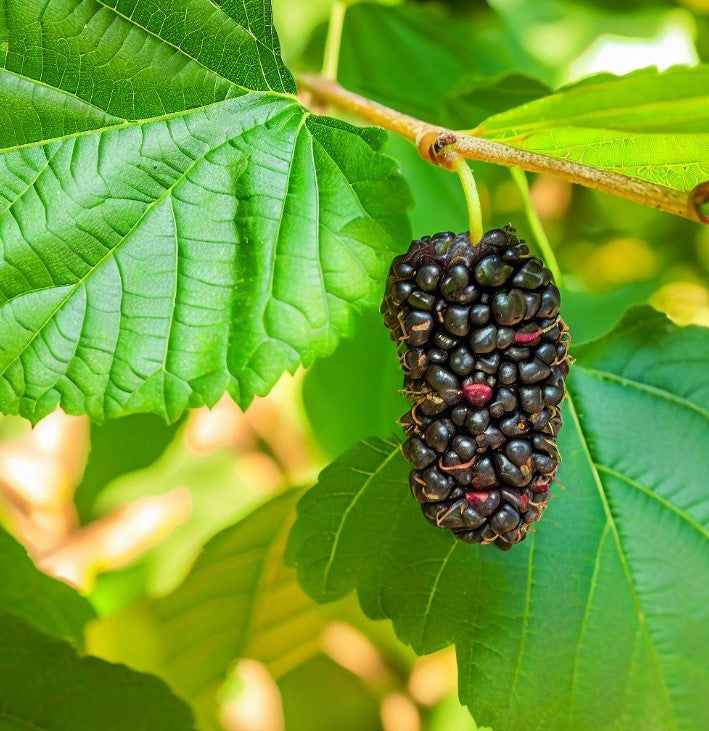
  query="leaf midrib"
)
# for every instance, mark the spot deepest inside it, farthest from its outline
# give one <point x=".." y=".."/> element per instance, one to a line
<point x="602" y="114"/>
<point x="112" y="251"/>
<point x="621" y="553"/>
<point x="128" y="123"/>
<point x="345" y="515"/>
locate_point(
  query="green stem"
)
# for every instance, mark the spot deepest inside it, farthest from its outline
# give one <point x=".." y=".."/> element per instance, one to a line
<point x="472" y="199"/>
<point x="535" y="224"/>
<point x="331" y="57"/>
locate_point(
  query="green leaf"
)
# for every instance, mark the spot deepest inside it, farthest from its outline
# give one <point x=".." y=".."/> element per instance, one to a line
<point x="410" y="58"/>
<point x="46" y="603"/>
<point x="481" y="98"/>
<point x="321" y="695"/>
<point x="647" y="125"/>
<point x="590" y="315"/>
<point x="45" y="685"/>
<point x="220" y="495"/>
<point x="172" y="224"/>
<point x="71" y="67"/>
<point x="150" y="267"/>
<point x="118" y="448"/>
<point x="355" y="392"/>
<point x="607" y="587"/>
<point x="238" y="600"/>
<point x="438" y="198"/>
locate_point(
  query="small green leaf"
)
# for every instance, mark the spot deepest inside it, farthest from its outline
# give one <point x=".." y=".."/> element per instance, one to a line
<point x="647" y="125"/>
<point x="239" y="600"/>
<point x="45" y="685"/>
<point x="46" y="603"/>
<point x="321" y="695"/>
<point x="606" y="588"/>
<point x="117" y="448"/>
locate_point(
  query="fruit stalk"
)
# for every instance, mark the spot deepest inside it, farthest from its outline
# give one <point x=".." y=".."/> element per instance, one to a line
<point x="472" y="199"/>
<point x="679" y="203"/>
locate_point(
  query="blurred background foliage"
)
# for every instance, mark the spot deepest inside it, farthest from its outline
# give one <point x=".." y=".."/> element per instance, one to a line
<point x="175" y="533"/>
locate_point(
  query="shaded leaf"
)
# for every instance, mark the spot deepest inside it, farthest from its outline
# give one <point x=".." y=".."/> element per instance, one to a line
<point x="355" y="391"/>
<point x="592" y="314"/>
<point x="608" y="585"/>
<point x="79" y="693"/>
<point x="118" y="448"/>
<point x="321" y="695"/>
<point x="648" y="125"/>
<point x="410" y="57"/>
<point x="238" y="600"/>
<point x="46" y="603"/>
<point x="438" y="199"/>
<point x="481" y="98"/>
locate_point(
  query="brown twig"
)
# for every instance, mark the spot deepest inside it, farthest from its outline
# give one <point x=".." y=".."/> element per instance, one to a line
<point x="426" y="137"/>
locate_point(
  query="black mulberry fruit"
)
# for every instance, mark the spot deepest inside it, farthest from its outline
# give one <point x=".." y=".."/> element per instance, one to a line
<point x="484" y="355"/>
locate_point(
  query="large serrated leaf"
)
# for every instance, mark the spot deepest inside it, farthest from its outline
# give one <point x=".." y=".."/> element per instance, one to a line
<point x="172" y="225"/>
<point x="647" y="125"/>
<point x="45" y="685"/>
<point x="604" y="595"/>
<point x="149" y="267"/>
<point x="46" y="603"/>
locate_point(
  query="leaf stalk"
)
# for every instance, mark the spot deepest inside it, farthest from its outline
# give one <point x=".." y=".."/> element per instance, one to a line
<point x="332" y="42"/>
<point x="472" y="199"/>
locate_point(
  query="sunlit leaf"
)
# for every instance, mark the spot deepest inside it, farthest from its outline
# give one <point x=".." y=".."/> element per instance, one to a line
<point x="172" y="225"/>
<point x="607" y="587"/>
<point x="648" y="125"/>
<point x="168" y="261"/>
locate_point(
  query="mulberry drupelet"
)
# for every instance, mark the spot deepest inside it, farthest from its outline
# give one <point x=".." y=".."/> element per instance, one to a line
<point x="484" y="355"/>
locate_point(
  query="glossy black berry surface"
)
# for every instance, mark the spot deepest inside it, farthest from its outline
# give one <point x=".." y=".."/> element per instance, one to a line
<point x="484" y="355"/>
